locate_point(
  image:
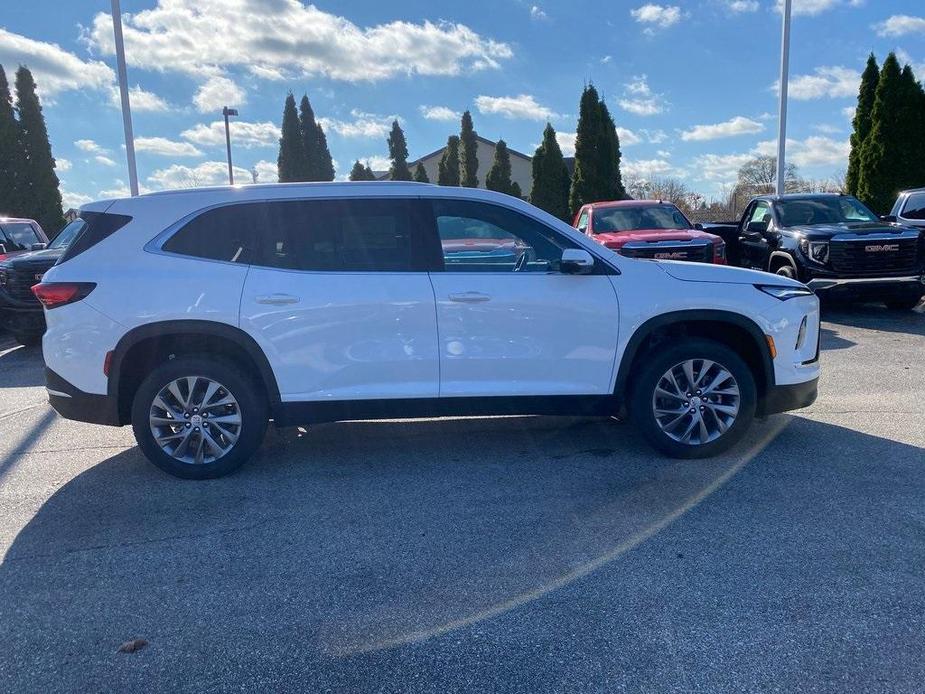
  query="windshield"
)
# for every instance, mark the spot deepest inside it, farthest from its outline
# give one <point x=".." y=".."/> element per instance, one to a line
<point x="832" y="210"/>
<point x="68" y="234"/>
<point x="639" y="217"/>
<point x="18" y="236"/>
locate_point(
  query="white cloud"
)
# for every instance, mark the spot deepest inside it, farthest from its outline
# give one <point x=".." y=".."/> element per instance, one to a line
<point x="209" y="173"/>
<point x="267" y="171"/>
<point x="906" y="59"/>
<point x="55" y="69"/>
<point x="90" y="146"/>
<point x="606" y="59"/>
<point x="848" y="112"/>
<point x="649" y="168"/>
<point x="900" y="25"/>
<point x="362" y="125"/>
<point x="656" y="16"/>
<point x="638" y="98"/>
<point x="439" y="113"/>
<point x="813" y="151"/>
<point x="521" y="106"/>
<point x="740" y="125"/>
<point x="656" y="137"/>
<point x="828" y="129"/>
<point x="628" y="137"/>
<point x="722" y="168"/>
<point x="537" y="13"/>
<point x="814" y="7"/>
<point x="243" y="134"/>
<point x="566" y="143"/>
<point x="377" y="163"/>
<point x="104" y="160"/>
<point x="833" y="82"/>
<point x="62" y="164"/>
<point x="139" y="99"/>
<point x="217" y="92"/>
<point x="204" y="38"/>
<point x="742" y="6"/>
<point x="74" y="199"/>
<point x="166" y="147"/>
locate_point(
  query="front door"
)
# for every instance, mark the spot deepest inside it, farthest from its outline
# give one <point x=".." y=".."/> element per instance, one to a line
<point x="755" y="248"/>
<point x="509" y="322"/>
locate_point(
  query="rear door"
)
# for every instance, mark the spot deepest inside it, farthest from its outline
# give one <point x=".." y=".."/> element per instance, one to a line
<point x="339" y="301"/>
<point x="509" y="322"/>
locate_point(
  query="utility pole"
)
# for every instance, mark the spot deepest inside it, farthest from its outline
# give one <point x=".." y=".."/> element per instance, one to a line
<point x="782" y="117"/>
<point x="229" y="112"/>
<point x="123" y="92"/>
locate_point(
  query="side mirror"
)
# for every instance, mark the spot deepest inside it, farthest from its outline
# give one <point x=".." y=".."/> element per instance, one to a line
<point x="38" y="246"/>
<point x="576" y="261"/>
<point x="756" y="227"/>
<point x="888" y="218"/>
<point x="698" y="226"/>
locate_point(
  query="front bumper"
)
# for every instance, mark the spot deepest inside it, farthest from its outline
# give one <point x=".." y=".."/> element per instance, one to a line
<point x="868" y="284"/>
<point x="72" y="403"/>
<point x="783" y="398"/>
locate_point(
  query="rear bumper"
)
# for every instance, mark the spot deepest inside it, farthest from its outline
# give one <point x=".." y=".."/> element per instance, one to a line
<point x="868" y="284"/>
<point x="72" y="403"/>
<point x="789" y="397"/>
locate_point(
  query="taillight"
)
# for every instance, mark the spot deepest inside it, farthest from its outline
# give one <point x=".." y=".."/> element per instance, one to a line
<point x="719" y="253"/>
<point x="54" y="294"/>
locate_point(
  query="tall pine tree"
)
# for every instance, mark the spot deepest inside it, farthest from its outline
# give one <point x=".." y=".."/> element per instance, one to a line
<point x="910" y="116"/>
<point x="882" y="153"/>
<point x="398" y="153"/>
<point x="420" y="175"/>
<point x="597" y="154"/>
<point x="11" y="159"/>
<point x="448" y="167"/>
<point x="42" y="197"/>
<point x="318" y="163"/>
<point x="550" y="177"/>
<point x="499" y="175"/>
<point x="291" y="164"/>
<point x="862" y="122"/>
<point x="611" y="156"/>
<point x="361" y="172"/>
<point x="468" y="153"/>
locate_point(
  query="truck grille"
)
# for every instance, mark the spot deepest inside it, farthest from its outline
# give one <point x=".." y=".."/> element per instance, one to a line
<point x="17" y="284"/>
<point x="874" y="253"/>
<point x="695" y="251"/>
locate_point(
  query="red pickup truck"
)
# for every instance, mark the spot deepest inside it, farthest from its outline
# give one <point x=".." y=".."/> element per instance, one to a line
<point x="649" y="229"/>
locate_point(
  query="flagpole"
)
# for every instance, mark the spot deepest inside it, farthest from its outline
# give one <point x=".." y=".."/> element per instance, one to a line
<point x="782" y="112"/>
<point x="123" y="92"/>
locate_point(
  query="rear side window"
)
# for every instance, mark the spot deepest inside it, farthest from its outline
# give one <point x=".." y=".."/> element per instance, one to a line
<point x="18" y="236"/>
<point x="915" y="207"/>
<point x="97" y="226"/>
<point x="349" y="235"/>
<point x="224" y="233"/>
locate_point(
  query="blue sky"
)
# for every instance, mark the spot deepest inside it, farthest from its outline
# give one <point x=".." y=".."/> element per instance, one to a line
<point x="691" y="84"/>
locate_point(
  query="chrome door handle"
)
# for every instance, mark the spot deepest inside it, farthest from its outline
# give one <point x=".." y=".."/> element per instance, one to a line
<point x="278" y="299"/>
<point x="470" y="297"/>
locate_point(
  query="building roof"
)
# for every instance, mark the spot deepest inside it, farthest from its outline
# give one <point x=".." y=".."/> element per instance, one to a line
<point x="484" y="140"/>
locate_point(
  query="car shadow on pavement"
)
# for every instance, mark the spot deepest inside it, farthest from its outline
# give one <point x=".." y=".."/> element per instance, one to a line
<point x="877" y="317"/>
<point x="375" y="555"/>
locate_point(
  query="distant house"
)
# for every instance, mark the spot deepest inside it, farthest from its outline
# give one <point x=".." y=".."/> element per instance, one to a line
<point x="521" y="165"/>
<point x="71" y="215"/>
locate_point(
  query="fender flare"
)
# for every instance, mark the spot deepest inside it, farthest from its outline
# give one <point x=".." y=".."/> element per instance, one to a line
<point x="785" y="255"/>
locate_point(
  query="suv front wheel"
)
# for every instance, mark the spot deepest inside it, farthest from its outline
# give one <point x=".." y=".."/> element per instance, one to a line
<point x="199" y="418"/>
<point x="695" y="399"/>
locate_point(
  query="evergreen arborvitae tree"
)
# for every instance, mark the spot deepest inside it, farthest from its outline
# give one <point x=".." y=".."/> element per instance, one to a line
<point x="420" y="175"/>
<point x="42" y="198"/>
<point x="550" y="177"/>
<point x="468" y="153"/>
<point x="398" y="153"/>
<point x="448" y="168"/>
<point x="597" y="154"/>
<point x="862" y="122"/>
<point x="11" y="160"/>
<point x="361" y="172"/>
<point x="291" y="164"/>
<point x="882" y="154"/>
<point x="318" y="163"/>
<point x="912" y="169"/>
<point x="499" y="176"/>
<point x="610" y="157"/>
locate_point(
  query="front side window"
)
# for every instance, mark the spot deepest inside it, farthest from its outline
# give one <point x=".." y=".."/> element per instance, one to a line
<point x="583" y="221"/>
<point x="761" y="213"/>
<point x="224" y="233"/>
<point x="18" y="236"/>
<point x="638" y="217"/>
<point x="915" y="206"/>
<point x="349" y="235"/>
<point x="480" y="237"/>
<point x="830" y="210"/>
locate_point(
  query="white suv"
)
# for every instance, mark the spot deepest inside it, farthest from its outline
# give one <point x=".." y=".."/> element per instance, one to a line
<point x="199" y="315"/>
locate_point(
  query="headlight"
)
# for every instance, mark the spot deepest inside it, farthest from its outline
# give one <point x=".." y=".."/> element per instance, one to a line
<point x="784" y="293"/>
<point x="817" y="251"/>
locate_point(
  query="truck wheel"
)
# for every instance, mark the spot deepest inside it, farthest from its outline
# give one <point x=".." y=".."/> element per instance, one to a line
<point x="695" y="399"/>
<point x="198" y="417"/>
<point x="904" y="304"/>
<point x="786" y="271"/>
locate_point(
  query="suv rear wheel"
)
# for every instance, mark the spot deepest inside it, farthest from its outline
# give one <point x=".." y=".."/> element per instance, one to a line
<point x="694" y="400"/>
<point x="199" y="418"/>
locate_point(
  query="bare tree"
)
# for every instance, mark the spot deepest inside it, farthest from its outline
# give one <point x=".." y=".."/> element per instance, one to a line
<point x="759" y="176"/>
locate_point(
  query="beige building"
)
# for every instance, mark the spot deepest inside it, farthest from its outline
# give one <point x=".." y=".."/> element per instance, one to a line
<point x="521" y="165"/>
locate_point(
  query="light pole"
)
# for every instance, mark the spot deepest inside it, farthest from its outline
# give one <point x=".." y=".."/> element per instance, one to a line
<point x="782" y="117"/>
<point x="229" y="112"/>
<point x="123" y="92"/>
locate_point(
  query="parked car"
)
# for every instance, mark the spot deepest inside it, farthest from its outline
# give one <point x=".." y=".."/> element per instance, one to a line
<point x="20" y="312"/>
<point x="196" y="316"/>
<point x="648" y="229"/>
<point x="909" y="209"/>
<point x="18" y="308"/>
<point x="832" y="243"/>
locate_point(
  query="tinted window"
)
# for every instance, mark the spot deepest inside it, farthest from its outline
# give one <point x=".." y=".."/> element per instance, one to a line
<point x="18" y="236"/>
<point x="224" y="233"/>
<point x="68" y="234"/>
<point x="831" y="210"/>
<point x="636" y="217"/>
<point x="350" y="235"/>
<point x="99" y="226"/>
<point x="915" y="207"/>
<point x="479" y="237"/>
<point x="761" y="213"/>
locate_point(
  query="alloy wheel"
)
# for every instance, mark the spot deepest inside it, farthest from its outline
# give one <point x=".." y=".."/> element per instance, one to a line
<point x="696" y="401"/>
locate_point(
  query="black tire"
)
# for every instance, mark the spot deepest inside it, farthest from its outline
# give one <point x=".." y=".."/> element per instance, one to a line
<point x="903" y="304"/>
<point x="786" y="271"/>
<point x="28" y="339"/>
<point x="251" y="400"/>
<point x="658" y="363"/>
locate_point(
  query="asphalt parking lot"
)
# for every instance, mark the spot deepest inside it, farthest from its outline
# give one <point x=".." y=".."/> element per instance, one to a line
<point x="507" y="554"/>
